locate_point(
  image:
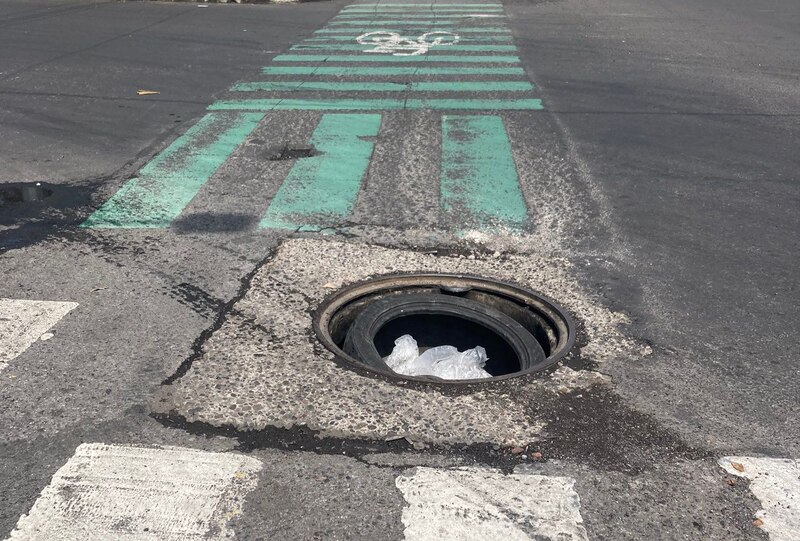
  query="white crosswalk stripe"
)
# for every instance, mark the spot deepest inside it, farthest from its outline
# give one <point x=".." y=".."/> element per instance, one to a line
<point x="483" y="504"/>
<point x="23" y="322"/>
<point x="122" y="493"/>
<point x="776" y="484"/>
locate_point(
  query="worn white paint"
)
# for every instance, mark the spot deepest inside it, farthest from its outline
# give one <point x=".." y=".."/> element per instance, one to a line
<point x="23" y="322"/>
<point x="776" y="484"/>
<point x="121" y="493"/>
<point x="397" y="45"/>
<point x="483" y="504"/>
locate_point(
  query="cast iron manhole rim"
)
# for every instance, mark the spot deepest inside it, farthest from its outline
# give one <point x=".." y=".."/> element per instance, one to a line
<point x="542" y="305"/>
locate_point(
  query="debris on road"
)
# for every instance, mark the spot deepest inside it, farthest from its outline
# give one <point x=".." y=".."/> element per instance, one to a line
<point x="147" y="92"/>
<point x="445" y="362"/>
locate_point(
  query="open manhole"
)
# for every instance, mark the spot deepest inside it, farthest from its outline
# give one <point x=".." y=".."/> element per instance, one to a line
<point x="522" y="331"/>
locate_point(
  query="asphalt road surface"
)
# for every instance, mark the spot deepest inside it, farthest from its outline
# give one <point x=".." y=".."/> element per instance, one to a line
<point x="182" y="186"/>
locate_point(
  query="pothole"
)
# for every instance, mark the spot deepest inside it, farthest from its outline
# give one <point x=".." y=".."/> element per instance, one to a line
<point x="290" y="151"/>
<point x="522" y="331"/>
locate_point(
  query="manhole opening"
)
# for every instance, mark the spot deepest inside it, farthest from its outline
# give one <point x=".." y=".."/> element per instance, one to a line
<point x="24" y="192"/>
<point x="433" y="330"/>
<point x="522" y="331"/>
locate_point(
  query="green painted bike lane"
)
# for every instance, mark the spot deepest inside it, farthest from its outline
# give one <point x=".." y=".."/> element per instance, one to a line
<point x="326" y="71"/>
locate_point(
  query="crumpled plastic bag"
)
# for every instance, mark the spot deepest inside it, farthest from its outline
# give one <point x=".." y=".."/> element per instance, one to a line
<point x="444" y="362"/>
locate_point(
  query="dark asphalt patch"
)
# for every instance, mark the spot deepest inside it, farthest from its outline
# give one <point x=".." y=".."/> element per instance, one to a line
<point x="32" y="212"/>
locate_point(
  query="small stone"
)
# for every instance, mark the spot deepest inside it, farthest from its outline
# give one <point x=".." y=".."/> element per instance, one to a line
<point x="758" y="523"/>
<point x="536" y="456"/>
<point x="517" y="450"/>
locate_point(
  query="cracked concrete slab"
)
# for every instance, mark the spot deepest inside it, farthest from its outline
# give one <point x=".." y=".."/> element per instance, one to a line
<point x="263" y="367"/>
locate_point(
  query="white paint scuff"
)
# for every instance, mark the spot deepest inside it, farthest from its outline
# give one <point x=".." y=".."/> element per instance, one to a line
<point x="483" y="504"/>
<point x="776" y="484"/>
<point x="23" y="322"/>
<point x="124" y="493"/>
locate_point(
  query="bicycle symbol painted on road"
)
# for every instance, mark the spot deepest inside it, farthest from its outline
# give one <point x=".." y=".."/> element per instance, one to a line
<point x="397" y="45"/>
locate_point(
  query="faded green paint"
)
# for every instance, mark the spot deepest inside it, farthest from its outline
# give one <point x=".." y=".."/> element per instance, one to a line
<point x="468" y="39"/>
<point x="278" y="104"/>
<point x="457" y="48"/>
<point x="419" y="14"/>
<point x="401" y="23"/>
<point x="469" y="59"/>
<point x="479" y="183"/>
<point x="360" y="71"/>
<point x="421" y="29"/>
<point x="368" y="86"/>
<point x="169" y="181"/>
<point x="466" y="5"/>
<point x="322" y="190"/>
<point x="441" y="5"/>
<point x="428" y="13"/>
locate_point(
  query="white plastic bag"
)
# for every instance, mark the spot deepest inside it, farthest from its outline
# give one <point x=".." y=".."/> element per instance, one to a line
<point x="445" y="362"/>
<point x="405" y="350"/>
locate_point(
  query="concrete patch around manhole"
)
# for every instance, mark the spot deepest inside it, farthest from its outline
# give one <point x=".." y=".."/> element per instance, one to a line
<point x="263" y="367"/>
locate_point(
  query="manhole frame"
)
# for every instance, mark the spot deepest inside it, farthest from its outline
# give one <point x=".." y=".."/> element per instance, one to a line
<point x="544" y="305"/>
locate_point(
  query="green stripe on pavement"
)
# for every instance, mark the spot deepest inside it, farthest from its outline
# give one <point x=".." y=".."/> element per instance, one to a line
<point x="456" y="48"/>
<point x="365" y="86"/>
<point x="322" y="190"/>
<point x="470" y="59"/>
<point x="460" y="31"/>
<point x="359" y="71"/>
<point x="470" y="39"/>
<point x="400" y="12"/>
<point x="278" y="104"/>
<point x="442" y="5"/>
<point x="406" y="16"/>
<point x="479" y="178"/>
<point x="170" y="180"/>
<point x="401" y="23"/>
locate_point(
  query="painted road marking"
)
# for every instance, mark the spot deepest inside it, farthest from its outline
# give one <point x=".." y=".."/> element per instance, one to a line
<point x="358" y="71"/>
<point x="776" y="484"/>
<point x="371" y="22"/>
<point x="479" y="178"/>
<point x="430" y="11"/>
<point x="323" y="189"/>
<point x="357" y="86"/>
<point x="170" y="180"/>
<point x="397" y="45"/>
<point x="358" y="47"/>
<point x="419" y="28"/>
<point x="115" y="492"/>
<point x="467" y="39"/>
<point x="468" y="505"/>
<point x="419" y="17"/>
<point x="472" y="59"/>
<point x="279" y="104"/>
<point x="321" y="69"/>
<point x="23" y="322"/>
<point x="429" y="5"/>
